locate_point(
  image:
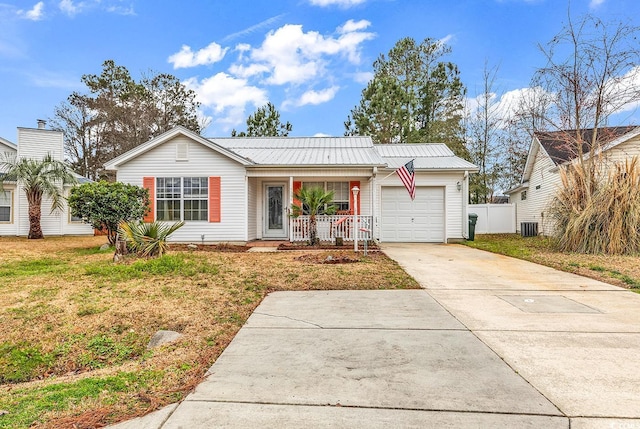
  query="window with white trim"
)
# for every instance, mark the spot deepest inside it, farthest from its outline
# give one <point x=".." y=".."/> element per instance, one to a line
<point x="340" y="190"/>
<point x="182" y="198"/>
<point x="6" y="200"/>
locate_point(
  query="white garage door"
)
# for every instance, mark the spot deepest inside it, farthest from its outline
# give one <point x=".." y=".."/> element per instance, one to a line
<point x="420" y="220"/>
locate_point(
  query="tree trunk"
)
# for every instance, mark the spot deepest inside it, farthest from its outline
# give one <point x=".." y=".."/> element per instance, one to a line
<point x="313" y="231"/>
<point x="35" y="213"/>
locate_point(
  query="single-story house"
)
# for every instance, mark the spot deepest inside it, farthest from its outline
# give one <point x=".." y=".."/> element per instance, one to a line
<point x="549" y="151"/>
<point x="241" y="189"/>
<point x="35" y="143"/>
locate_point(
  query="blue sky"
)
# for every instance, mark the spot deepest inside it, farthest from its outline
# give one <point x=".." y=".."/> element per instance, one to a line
<point x="311" y="58"/>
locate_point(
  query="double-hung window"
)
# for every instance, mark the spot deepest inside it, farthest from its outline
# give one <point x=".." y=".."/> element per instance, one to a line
<point x="340" y="190"/>
<point x="6" y="199"/>
<point x="182" y="198"/>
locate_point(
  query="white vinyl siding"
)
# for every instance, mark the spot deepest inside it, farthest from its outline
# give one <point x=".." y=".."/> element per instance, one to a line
<point x="544" y="183"/>
<point x="203" y="162"/>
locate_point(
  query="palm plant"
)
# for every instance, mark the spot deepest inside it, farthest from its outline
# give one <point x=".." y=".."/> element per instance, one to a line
<point x="147" y="239"/>
<point x="313" y="201"/>
<point x="37" y="178"/>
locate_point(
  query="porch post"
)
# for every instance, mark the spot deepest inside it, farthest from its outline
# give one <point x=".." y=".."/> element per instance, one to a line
<point x="355" y="191"/>
<point x="289" y="207"/>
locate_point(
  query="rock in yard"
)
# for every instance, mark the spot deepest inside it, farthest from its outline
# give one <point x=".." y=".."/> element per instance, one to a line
<point x="192" y="246"/>
<point x="105" y="246"/>
<point x="163" y="337"/>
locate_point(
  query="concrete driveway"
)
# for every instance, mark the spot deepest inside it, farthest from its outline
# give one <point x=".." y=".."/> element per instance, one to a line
<point x="490" y="342"/>
<point x="575" y="340"/>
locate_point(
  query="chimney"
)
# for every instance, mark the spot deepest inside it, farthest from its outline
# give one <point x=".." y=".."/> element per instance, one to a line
<point x="42" y="124"/>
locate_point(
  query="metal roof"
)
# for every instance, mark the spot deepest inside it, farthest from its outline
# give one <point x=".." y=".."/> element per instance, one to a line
<point x="292" y="142"/>
<point x="432" y="163"/>
<point x="426" y="156"/>
<point x="304" y="151"/>
<point x="414" y="150"/>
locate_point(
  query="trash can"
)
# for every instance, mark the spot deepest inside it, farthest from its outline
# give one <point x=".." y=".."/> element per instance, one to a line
<point x="473" y="218"/>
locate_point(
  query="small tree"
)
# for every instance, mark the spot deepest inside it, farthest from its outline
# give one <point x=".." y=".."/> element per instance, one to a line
<point x="104" y="205"/>
<point x="38" y="178"/>
<point x="265" y="122"/>
<point x="312" y="202"/>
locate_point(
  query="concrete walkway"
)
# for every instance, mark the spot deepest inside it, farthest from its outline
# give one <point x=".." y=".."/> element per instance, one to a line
<point x="490" y="342"/>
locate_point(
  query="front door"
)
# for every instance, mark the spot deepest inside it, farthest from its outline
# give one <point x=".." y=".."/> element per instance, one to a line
<point x="275" y="225"/>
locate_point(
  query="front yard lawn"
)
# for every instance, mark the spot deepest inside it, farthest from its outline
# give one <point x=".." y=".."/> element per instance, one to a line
<point x="617" y="270"/>
<point x="74" y="326"/>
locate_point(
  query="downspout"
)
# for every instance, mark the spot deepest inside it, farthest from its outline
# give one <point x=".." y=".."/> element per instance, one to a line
<point x="465" y="206"/>
<point x="374" y="202"/>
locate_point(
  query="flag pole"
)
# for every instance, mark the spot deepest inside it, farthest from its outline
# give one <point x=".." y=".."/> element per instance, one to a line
<point x="396" y="170"/>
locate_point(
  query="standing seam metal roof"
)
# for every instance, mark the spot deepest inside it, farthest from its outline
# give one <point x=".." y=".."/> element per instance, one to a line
<point x="340" y="151"/>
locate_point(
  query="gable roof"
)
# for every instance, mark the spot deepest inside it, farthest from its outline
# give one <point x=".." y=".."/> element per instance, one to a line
<point x="162" y="138"/>
<point x="8" y="144"/>
<point x="348" y="151"/>
<point x="304" y="151"/>
<point x="426" y="156"/>
<point x="558" y="144"/>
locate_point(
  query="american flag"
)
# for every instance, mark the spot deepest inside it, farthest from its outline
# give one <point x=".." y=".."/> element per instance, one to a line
<point x="406" y="174"/>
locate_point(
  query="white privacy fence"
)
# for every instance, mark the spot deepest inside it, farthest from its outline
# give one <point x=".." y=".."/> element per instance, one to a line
<point x="330" y="227"/>
<point x="494" y="218"/>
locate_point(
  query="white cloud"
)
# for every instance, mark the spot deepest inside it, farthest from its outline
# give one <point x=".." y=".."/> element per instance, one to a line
<point x="321" y="135"/>
<point x="340" y="3"/>
<point x="352" y="25"/>
<point x="318" y="97"/>
<point x="624" y="91"/>
<point x="187" y="58"/>
<point x="504" y="108"/>
<point x="294" y="57"/>
<point x="227" y="96"/>
<point x="446" y="39"/>
<point x="122" y="10"/>
<point x="69" y="8"/>
<point x="363" y="77"/>
<point x="253" y="28"/>
<point x="595" y="3"/>
<point x="36" y="13"/>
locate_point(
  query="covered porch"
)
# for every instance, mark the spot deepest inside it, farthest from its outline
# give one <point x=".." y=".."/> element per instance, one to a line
<point x="270" y="198"/>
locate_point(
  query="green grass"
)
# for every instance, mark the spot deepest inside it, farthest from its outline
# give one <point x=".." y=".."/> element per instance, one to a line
<point x="183" y="265"/>
<point x="32" y="267"/>
<point x="22" y="362"/>
<point x="26" y="406"/>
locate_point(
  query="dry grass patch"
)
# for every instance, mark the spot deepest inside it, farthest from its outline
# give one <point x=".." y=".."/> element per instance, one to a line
<point x="619" y="270"/>
<point x="74" y="325"/>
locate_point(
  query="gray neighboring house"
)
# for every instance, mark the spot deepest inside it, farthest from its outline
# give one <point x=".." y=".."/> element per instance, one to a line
<point x="241" y="189"/>
<point x="548" y="152"/>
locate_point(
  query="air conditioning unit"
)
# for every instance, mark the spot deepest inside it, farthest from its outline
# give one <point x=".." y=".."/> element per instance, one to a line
<point x="529" y="229"/>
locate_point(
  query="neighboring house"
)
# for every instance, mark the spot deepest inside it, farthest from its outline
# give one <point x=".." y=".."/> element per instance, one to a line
<point x="14" y="209"/>
<point x="548" y="152"/>
<point x="241" y="189"/>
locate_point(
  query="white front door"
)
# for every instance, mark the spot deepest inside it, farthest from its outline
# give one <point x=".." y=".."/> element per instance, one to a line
<point x="275" y="217"/>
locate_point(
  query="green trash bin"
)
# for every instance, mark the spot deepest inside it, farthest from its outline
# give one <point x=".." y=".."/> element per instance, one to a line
<point x="473" y="219"/>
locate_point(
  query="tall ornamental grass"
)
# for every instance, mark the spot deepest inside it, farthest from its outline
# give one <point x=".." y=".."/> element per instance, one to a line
<point x="601" y="216"/>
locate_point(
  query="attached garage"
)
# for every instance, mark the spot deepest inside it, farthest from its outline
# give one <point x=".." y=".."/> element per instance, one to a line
<point x="420" y="220"/>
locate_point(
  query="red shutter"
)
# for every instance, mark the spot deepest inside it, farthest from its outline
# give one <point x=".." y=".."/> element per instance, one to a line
<point x="296" y="187"/>
<point x="351" y="185"/>
<point x="150" y="184"/>
<point x="214" y="199"/>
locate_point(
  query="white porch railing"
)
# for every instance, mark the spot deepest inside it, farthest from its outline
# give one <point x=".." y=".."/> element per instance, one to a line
<point x="330" y="227"/>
